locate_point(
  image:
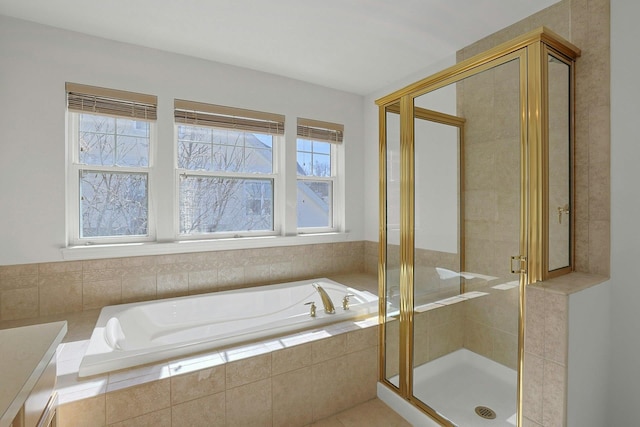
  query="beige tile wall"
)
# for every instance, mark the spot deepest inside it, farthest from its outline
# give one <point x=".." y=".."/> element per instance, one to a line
<point x="392" y="348"/>
<point x="33" y="290"/>
<point x="371" y="257"/>
<point x="586" y="24"/>
<point x="545" y="367"/>
<point x="293" y="387"/>
<point x="590" y="25"/>
<point x="491" y="325"/>
<point x="438" y="332"/>
<point x="489" y="102"/>
<point x="425" y="261"/>
<point x="487" y="325"/>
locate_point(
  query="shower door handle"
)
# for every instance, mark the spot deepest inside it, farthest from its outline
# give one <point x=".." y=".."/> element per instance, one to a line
<point x="562" y="210"/>
<point x="522" y="261"/>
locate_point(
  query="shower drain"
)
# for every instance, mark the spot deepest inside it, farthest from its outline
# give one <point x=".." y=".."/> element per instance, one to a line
<point x="486" y="413"/>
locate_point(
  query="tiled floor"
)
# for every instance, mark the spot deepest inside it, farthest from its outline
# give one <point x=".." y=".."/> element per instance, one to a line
<point x="373" y="413"/>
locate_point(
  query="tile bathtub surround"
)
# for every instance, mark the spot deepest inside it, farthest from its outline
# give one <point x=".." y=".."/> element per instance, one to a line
<point x="371" y="257"/>
<point x="290" y="381"/>
<point x="46" y="289"/>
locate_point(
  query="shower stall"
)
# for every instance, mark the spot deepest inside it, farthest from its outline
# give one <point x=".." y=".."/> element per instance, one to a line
<point x="475" y="203"/>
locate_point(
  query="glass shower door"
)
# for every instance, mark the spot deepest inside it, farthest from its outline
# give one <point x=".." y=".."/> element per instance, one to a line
<point x="391" y="308"/>
<point x="484" y="201"/>
<point x="467" y="188"/>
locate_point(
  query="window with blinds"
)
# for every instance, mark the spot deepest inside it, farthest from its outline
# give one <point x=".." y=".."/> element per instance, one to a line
<point x="226" y="168"/>
<point x="231" y="173"/>
<point x="317" y="173"/>
<point x="111" y="140"/>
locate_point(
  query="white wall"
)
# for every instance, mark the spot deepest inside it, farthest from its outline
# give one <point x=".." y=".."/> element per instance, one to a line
<point x="589" y="356"/>
<point x="35" y="63"/>
<point x="436" y="186"/>
<point x="371" y="177"/>
<point x="436" y="177"/>
<point x="624" y="383"/>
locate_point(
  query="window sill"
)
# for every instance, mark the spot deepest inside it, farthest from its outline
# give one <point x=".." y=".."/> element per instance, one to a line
<point x="75" y="253"/>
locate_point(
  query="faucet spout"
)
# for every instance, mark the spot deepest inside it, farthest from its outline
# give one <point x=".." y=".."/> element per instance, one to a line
<point x="326" y="300"/>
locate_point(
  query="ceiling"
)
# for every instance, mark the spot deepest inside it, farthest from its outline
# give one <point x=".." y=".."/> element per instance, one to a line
<point x="358" y="46"/>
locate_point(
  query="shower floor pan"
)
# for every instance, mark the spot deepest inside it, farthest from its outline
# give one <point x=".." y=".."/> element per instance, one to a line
<point x="456" y="384"/>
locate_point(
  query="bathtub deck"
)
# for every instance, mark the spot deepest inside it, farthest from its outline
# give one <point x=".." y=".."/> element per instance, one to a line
<point x="80" y="324"/>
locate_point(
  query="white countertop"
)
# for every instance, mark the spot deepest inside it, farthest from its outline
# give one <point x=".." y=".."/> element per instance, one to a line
<point x="24" y="354"/>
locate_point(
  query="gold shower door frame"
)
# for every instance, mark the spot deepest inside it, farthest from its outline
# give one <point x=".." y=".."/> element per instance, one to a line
<point x="531" y="50"/>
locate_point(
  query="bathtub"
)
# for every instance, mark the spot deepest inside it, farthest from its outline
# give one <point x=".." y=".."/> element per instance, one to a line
<point x="128" y="335"/>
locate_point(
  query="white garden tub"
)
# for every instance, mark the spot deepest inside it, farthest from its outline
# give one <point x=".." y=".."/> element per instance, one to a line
<point x="127" y="335"/>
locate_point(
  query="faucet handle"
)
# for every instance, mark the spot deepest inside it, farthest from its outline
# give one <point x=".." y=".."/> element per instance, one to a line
<point x="312" y="309"/>
<point x="345" y="301"/>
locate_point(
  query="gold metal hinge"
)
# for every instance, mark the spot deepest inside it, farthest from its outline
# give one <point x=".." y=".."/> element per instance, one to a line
<point x="522" y="260"/>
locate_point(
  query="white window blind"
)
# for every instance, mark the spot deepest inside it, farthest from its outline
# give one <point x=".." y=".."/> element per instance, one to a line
<point x="201" y="114"/>
<point x="98" y="100"/>
<point x="317" y="130"/>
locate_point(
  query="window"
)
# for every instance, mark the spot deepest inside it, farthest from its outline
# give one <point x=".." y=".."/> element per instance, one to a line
<point x="111" y="136"/>
<point x="226" y="169"/>
<point x="317" y="176"/>
<point x="228" y="174"/>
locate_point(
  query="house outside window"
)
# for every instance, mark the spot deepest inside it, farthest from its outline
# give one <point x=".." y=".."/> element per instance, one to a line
<point x="110" y="162"/>
<point x="227" y="170"/>
<point x="317" y="174"/>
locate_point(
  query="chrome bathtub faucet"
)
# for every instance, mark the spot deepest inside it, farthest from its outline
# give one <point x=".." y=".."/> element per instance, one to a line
<point x="326" y="300"/>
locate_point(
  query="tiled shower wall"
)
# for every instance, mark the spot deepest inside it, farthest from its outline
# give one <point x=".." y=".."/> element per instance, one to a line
<point x="584" y="23"/>
<point x="489" y="102"/>
<point x="34" y="290"/>
<point x="487" y="325"/>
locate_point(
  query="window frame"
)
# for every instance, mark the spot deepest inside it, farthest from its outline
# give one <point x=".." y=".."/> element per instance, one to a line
<point x="275" y="176"/>
<point x="332" y="134"/>
<point x="333" y="179"/>
<point x="163" y="207"/>
<point x="74" y="170"/>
